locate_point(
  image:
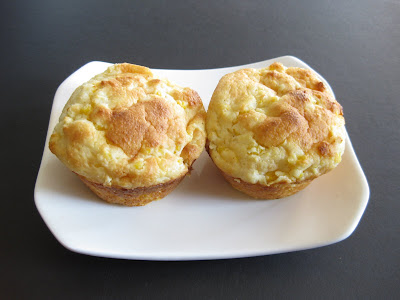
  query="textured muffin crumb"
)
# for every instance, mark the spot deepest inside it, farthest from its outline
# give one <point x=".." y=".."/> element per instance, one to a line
<point x="127" y="128"/>
<point x="274" y="125"/>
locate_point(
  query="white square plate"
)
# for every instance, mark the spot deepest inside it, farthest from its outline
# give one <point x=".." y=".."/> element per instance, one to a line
<point x="204" y="218"/>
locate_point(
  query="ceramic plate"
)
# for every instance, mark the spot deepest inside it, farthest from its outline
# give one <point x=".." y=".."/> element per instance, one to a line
<point x="204" y="218"/>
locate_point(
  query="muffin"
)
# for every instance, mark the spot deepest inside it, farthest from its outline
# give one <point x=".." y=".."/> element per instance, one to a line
<point x="272" y="131"/>
<point x="130" y="137"/>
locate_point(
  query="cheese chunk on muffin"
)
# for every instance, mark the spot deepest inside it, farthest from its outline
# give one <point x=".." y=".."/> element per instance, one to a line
<point x="272" y="131"/>
<point x="130" y="136"/>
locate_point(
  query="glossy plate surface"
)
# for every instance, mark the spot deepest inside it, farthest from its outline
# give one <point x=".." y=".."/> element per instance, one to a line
<point x="204" y="218"/>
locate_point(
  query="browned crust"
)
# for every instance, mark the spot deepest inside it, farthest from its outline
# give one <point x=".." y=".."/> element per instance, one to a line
<point x="144" y="122"/>
<point x="289" y="119"/>
<point x="132" y="197"/>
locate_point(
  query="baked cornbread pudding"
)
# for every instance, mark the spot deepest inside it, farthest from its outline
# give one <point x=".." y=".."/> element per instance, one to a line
<point x="272" y="131"/>
<point x="130" y="136"/>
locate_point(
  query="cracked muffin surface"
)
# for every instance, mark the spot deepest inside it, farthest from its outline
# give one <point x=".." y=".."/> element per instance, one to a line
<point x="274" y="126"/>
<point x="128" y="128"/>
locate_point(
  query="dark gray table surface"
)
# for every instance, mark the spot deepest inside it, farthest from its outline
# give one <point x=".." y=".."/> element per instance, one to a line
<point x="355" y="45"/>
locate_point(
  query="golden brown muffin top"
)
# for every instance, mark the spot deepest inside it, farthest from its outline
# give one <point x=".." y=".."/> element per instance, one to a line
<point x="127" y="128"/>
<point x="275" y="124"/>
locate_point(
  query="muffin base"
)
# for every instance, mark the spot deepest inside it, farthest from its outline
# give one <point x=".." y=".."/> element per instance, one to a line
<point x="259" y="191"/>
<point x="132" y="197"/>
